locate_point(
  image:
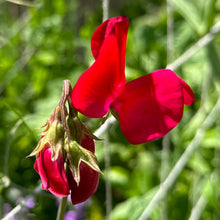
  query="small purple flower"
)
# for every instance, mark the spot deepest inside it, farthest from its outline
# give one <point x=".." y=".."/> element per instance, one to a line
<point x="30" y="203"/>
<point x="71" y="215"/>
<point x="6" y="209"/>
<point x="78" y="213"/>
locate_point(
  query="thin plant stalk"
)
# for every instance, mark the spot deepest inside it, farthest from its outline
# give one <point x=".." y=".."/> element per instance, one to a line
<point x="164" y="172"/>
<point x="105" y="9"/>
<point x="166" y="139"/>
<point x="196" y="47"/>
<point x="198" y="208"/>
<point x="108" y="188"/>
<point x="14" y="211"/>
<point x="170" y="31"/>
<point x="62" y="209"/>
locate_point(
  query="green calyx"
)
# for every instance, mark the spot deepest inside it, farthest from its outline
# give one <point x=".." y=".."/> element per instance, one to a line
<point x="77" y="154"/>
<point x="75" y="128"/>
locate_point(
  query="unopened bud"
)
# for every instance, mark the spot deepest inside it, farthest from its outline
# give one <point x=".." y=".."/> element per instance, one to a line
<point x="77" y="154"/>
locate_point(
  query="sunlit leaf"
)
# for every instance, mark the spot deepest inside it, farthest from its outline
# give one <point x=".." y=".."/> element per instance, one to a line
<point x="132" y="208"/>
<point x="214" y="60"/>
<point x="209" y="13"/>
<point x="22" y="2"/>
<point x="191" y="14"/>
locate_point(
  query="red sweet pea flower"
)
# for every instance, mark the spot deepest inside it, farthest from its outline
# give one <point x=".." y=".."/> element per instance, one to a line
<point x="148" y="107"/>
<point x="54" y="178"/>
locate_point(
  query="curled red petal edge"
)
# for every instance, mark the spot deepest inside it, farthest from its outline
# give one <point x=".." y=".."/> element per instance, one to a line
<point x="188" y="94"/>
<point x="107" y="28"/>
<point x="52" y="173"/>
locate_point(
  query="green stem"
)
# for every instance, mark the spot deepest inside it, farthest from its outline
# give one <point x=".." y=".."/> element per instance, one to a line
<point x="62" y="208"/>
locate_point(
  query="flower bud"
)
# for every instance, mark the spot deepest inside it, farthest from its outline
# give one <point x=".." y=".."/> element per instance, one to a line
<point x="88" y="171"/>
<point x="77" y="154"/>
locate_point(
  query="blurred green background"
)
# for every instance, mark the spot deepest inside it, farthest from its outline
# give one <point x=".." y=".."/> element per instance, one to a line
<point x="44" y="42"/>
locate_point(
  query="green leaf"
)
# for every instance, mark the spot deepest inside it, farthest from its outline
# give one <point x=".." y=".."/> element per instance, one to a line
<point x="132" y="208"/>
<point x="209" y="13"/>
<point x="119" y="176"/>
<point x="199" y="164"/>
<point x="191" y="14"/>
<point x="214" y="60"/>
<point x="21" y="2"/>
<point x="47" y="57"/>
<point x="211" y="139"/>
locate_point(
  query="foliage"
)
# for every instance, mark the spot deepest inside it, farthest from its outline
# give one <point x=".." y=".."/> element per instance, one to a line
<point x="48" y="41"/>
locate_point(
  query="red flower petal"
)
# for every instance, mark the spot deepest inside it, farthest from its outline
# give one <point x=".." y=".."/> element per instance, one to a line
<point x="117" y="26"/>
<point x="189" y="98"/>
<point x="89" y="178"/>
<point x="52" y="173"/>
<point x="88" y="143"/>
<point x="97" y="86"/>
<point x="150" y="106"/>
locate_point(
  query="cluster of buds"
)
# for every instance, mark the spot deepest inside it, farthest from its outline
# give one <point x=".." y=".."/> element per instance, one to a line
<point x="65" y="158"/>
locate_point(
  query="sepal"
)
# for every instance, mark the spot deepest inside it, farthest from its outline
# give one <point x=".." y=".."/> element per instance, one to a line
<point x="77" y="154"/>
<point x="78" y="129"/>
<point x="53" y="135"/>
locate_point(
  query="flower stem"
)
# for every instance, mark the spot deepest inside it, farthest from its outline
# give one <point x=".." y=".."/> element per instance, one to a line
<point x="62" y="209"/>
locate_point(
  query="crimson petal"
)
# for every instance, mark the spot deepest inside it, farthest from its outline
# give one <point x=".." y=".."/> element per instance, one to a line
<point x="52" y="173"/>
<point x="96" y="88"/>
<point x="150" y="106"/>
<point x="88" y="143"/>
<point x="89" y="179"/>
<point x="188" y="93"/>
